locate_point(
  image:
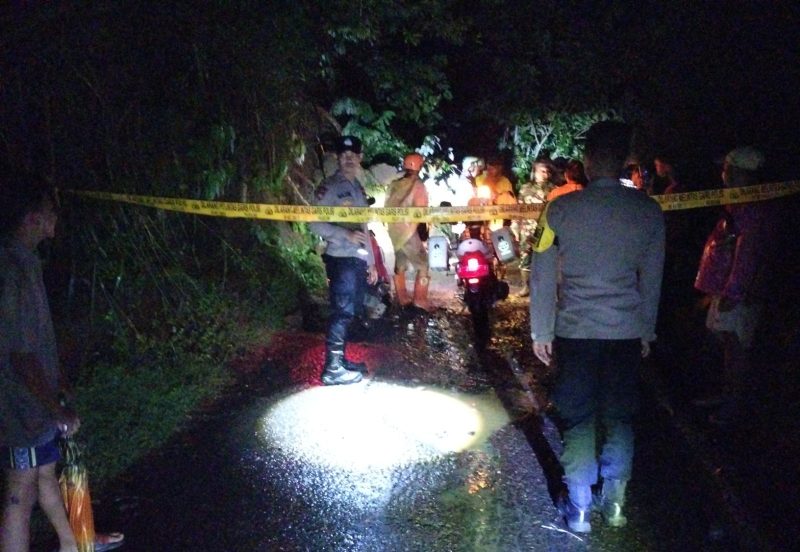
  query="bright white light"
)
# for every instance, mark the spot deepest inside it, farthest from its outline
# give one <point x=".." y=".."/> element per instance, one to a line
<point x="472" y="264"/>
<point x="377" y="425"/>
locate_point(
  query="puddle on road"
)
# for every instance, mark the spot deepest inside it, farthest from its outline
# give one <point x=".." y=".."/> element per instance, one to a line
<point x="379" y="424"/>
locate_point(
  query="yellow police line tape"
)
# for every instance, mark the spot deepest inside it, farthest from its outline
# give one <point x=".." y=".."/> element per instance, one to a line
<point x="727" y="196"/>
<point x="302" y="213"/>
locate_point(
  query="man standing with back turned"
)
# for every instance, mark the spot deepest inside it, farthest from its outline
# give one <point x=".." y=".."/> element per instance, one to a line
<point x="608" y="242"/>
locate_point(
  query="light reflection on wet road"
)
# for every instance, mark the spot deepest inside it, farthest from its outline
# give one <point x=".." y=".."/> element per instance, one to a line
<point x="438" y="450"/>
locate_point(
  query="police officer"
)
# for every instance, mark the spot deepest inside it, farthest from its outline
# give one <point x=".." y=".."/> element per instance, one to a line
<point x="348" y="259"/>
<point x="598" y="320"/>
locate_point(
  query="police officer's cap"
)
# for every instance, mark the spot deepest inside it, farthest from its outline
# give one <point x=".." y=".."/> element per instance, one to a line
<point x="348" y="143"/>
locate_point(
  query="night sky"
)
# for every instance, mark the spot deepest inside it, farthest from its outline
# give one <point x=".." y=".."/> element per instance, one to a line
<point x="730" y="77"/>
<point x="705" y="78"/>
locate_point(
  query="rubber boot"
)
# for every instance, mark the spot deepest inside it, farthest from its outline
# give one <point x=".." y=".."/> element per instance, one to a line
<point x="576" y="518"/>
<point x="335" y="372"/>
<point x="611" y="502"/>
<point x="400" y="290"/>
<point x="354" y="366"/>
<point x="421" y="284"/>
<point x="525" y="276"/>
<point x="576" y="509"/>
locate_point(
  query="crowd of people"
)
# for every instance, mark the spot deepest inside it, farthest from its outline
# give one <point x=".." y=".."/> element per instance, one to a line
<point x="593" y="265"/>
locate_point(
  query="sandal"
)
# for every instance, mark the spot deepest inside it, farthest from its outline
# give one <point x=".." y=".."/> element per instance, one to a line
<point x="108" y="541"/>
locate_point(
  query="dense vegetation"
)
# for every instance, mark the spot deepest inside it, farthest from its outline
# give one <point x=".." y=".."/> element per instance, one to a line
<point x="239" y="101"/>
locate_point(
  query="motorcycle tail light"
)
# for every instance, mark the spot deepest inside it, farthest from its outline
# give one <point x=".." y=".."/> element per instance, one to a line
<point x="474" y="280"/>
<point x="473" y="265"/>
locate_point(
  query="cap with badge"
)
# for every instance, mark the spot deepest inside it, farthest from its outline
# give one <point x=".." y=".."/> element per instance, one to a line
<point x="746" y="158"/>
<point x="348" y="143"/>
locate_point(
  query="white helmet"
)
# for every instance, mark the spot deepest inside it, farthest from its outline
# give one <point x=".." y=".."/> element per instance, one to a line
<point x="469" y="245"/>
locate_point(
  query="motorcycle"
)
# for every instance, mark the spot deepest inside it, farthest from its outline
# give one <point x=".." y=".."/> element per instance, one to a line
<point x="475" y="271"/>
<point x="476" y="274"/>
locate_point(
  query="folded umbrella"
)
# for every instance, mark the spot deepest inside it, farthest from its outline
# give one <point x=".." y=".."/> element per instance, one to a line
<point x="74" y="482"/>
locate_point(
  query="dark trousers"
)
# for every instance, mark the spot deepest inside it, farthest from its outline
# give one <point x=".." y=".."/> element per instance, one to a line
<point x="597" y="382"/>
<point x="347" y="284"/>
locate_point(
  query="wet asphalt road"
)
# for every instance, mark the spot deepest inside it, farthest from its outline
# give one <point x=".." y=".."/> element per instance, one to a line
<point x="441" y="448"/>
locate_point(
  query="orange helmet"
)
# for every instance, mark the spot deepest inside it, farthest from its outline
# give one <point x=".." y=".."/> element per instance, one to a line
<point x="413" y="161"/>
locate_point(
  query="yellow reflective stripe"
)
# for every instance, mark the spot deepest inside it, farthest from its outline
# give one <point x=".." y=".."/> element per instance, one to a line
<point x="543" y="236"/>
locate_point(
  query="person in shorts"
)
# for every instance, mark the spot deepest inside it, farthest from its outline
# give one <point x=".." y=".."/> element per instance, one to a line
<point x="31" y="415"/>
<point x="408" y="244"/>
<point x="31" y="385"/>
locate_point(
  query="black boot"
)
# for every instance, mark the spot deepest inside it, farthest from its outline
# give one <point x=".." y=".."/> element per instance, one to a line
<point x="359" y="367"/>
<point x="336" y="372"/>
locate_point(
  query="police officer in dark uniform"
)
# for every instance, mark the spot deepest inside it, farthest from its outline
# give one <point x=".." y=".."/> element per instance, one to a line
<point x="348" y="258"/>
